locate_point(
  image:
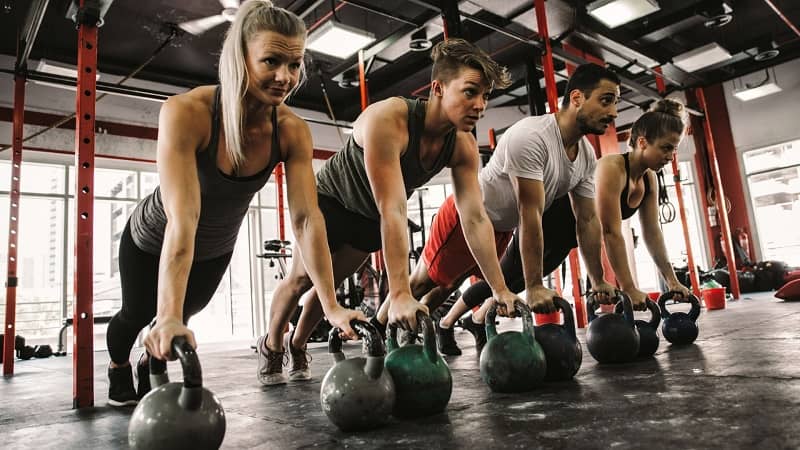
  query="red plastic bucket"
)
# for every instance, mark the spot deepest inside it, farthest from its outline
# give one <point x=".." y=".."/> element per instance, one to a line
<point x="714" y="298"/>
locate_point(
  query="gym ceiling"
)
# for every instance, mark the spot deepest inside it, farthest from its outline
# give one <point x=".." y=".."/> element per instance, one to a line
<point x="757" y="34"/>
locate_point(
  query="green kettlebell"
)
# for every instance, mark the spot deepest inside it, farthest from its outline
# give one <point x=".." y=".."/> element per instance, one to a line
<point x="177" y="415"/>
<point x="357" y="393"/>
<point x="422" y="379"/>
<point x="512" y="361"/>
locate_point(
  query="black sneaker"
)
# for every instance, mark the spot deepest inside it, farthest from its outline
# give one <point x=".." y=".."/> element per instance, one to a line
<point x="120" y="387"/>
<point x="478" y="331"/>
<point x="143" y="375"/>
<point x="446" y="341"/>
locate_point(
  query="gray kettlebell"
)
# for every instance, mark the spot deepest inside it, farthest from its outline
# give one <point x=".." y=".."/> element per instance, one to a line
<point x="177" y="415"/>
<point x="357" y="393"/>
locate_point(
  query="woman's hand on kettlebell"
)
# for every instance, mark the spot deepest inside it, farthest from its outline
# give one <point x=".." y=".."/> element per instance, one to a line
<point x="159" y="340"/>
<point x="403" y="311"/>
<point x="604" y="293"/>
<point x="340" y="318"/>
<point x="681" y="292"/>
<point x="505" y="303"/>
<point x="638" y="299"/>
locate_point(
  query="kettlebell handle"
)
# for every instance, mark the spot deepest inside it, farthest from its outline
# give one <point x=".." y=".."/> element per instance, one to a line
<point x="523" y="311"/>
<point x="694" y="312"/>
<point x="425" y="323"/>
<point x="655" y="313"/>
<point x="569" y="319"/>
<point x="366" y="331"/>
<point x="191" y="395"/>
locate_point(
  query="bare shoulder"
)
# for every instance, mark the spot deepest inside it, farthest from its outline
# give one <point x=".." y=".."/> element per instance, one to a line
<point x="611" y="163"/>
<point x="293" y="131"/>
<point x="466" y="149"/>
<point x="388" y="112"/>
<point x="185" y="109"/>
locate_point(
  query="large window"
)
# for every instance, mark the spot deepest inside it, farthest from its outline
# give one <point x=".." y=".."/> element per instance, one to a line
<point x="647" y="273"/>
<point x="773" y="179"/>
<point x="45" y="293"/>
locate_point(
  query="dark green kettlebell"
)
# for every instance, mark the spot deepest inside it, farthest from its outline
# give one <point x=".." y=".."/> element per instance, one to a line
<point x="648" y="330"/>
<point x="612" y="338"/>
<point x="512" y="361"/>
<point x="560" y="345"/>
<point x="177" y="415"/>
<point x="679" y="328"/>
<point x="357" y="393"/>
<point x="422" y="379"/>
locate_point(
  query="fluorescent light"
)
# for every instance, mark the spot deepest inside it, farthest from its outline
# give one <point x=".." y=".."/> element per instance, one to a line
<point x="68" y="72"/>
<point x="701" y="57"/>
<point x="756" y="92"/>
<point x="614" y="13"/>
<point x="336" y="39"/>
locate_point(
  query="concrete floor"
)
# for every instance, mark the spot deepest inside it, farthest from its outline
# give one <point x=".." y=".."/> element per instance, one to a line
<point x="738" y="386"/>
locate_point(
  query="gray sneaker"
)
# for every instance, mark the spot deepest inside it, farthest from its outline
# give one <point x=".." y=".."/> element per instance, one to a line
<point x="299" y="359"/>
<point x="270" y="364"/>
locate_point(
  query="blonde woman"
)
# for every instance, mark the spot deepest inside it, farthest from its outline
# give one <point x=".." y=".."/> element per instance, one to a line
<point x="217" y="147"/>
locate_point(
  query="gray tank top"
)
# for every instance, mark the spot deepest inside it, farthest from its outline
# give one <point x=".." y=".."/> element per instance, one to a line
<point x="344" y="176"/>
<point x="223" y="200"/>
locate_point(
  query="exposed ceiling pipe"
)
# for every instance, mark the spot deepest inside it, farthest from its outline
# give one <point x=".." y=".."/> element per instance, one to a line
<point x="783" y="17"/>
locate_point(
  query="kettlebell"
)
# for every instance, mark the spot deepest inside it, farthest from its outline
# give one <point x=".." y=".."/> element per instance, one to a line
<point x="512" y="361"/>
<point x="612" y="338"/>
<point x="177" y="415"/>
<point x="679" y="328"/>
<point x="560" y="345"/>
<point x="422" y="379"/>
<point x="648" y="330"/>
<point x="357" y="393"/>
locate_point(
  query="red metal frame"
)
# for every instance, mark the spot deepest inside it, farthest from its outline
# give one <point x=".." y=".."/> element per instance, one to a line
<point x="725" y="227"/>
<point x="362" y="81"/>
<point x="662" y="88"/>
<point x="13" y="225"/>
<point x="83" y="325"/>
<point x="552" y="100"/>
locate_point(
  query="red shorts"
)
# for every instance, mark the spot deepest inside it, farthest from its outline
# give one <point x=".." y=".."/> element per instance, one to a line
<point x="446" y="253"/>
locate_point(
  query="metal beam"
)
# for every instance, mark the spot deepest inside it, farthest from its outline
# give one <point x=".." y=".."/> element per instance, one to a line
<point x="29" y="32"/>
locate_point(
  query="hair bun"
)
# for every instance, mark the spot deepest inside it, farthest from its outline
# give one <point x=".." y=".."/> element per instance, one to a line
<point x="669" y="106"/>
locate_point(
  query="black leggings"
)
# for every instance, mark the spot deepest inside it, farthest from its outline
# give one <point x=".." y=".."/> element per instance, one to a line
<point x="558" y="230"/>
<point x="138" y="272"/>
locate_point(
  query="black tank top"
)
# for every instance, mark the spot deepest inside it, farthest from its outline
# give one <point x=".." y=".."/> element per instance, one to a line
<point x="627" y="211"/>
<point x="344" y="176"/>
<point x="224" y="199"/>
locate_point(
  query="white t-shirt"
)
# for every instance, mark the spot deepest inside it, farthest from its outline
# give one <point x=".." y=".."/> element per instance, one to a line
<point x="532" y="148"/>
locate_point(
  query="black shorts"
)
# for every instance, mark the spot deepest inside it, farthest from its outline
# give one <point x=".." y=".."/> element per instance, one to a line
<point x="346" y="227"/>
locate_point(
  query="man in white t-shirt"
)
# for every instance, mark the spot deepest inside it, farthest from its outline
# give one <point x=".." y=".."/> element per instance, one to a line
<point x="537" y="162"/>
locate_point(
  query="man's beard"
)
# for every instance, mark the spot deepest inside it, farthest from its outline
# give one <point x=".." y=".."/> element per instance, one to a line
<point x="586" y="128"/>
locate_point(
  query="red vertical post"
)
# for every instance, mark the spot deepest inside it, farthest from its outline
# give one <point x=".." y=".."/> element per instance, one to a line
<point x="662" y="88"/>
<point x="83" y="325"/>
<point x="552" y="101"/>
<point x="547" y="57"/>
<point x="362" y="81"/>
<point x="725" y="226"/>
<point x="13" y="226"/>
<point x="279" y="201"/>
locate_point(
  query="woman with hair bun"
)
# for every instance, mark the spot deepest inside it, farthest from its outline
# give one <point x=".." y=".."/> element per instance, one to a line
<point x="626" y="183"/>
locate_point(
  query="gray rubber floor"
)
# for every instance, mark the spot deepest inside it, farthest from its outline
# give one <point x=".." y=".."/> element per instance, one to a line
<point x="738" y="386"/>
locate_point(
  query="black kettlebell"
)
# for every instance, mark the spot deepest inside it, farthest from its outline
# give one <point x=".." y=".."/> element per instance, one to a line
<point x="560" y="344"/>
<point x="679" y="328"/>
<point x="612" y="338"/>
<point x="422" y="379"/>
<point x="177" y="415"/>
<point x="357" y="393"/>
<point x="512" y="361"/>
<point x="648" y="330"/>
